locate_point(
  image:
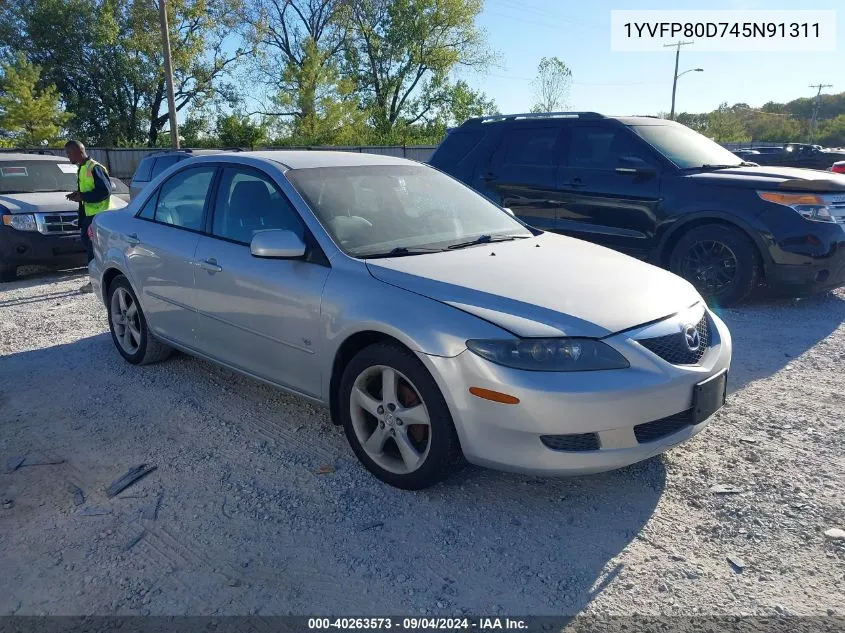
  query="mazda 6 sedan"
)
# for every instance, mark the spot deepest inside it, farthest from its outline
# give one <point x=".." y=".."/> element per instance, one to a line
<point x="435" y="326"/>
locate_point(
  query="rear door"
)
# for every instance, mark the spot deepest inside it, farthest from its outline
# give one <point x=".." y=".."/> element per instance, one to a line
<point x="521" y="173"/>
<point x="162" y="256"/>
<point x="611" y="184"/>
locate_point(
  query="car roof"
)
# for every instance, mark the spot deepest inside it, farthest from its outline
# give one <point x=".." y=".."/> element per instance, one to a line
<point x="567" y="117"/>
<point x="306" y="159"/>
<point x="19" y="157"/>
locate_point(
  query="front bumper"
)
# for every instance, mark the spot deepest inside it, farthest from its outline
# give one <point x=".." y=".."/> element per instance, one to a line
<point x="30" y="248"/>
<point x="607" y="405"/>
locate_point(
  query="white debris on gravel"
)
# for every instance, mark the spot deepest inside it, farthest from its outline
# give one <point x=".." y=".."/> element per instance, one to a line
<point x="243" y="523"/>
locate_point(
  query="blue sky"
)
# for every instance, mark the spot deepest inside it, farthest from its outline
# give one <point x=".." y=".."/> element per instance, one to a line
<point x="578" y="32"/>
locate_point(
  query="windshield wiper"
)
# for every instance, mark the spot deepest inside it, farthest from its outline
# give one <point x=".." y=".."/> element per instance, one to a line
<point x="708" y="167"/>
<point x="400" y="251"/>
<point x="486" y="239"/>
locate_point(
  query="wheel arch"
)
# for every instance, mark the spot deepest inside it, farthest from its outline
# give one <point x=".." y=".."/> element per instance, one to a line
<point x="681" y="228"/>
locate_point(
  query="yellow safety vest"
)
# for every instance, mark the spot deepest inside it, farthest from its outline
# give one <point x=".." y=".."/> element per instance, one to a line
<point x="86" y="183"/>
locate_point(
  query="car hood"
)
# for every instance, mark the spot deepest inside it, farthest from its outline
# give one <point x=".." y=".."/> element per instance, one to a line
<point x="51" y="202"/>
<point x="783" y="178"/>
<point x="550" y="285"/>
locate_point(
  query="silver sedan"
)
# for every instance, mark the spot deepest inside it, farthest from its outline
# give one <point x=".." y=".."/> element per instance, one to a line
<point x="435" y="326"/>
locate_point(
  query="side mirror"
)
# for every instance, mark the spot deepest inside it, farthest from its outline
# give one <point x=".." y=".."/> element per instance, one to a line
<point x="277" y="244"/>
<point x="510" y="211"/>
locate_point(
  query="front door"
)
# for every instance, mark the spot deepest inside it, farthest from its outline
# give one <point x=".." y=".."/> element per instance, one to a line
<point x="258" y="315"/>
<point x="162" y="252"/>
<point x="522" y="174"/>
<point x="611" y="184"/>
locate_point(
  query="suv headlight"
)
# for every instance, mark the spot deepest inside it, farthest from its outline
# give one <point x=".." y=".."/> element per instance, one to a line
<point x="550" y="354"/>
<point x="810" y="206"/>
<point x="21" y="221"/>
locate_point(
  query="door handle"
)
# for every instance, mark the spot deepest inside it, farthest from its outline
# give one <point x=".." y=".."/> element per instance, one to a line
<point x="488" y="176"/>
<point x="132" y="239"/>
<point x="210" y="265"/>
<point x="576" y="182"/>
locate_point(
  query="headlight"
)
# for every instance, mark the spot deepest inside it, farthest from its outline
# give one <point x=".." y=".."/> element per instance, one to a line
<point x="21" y="221"/>
<point x="810" y="206"/>
<point x="550" y="354"/>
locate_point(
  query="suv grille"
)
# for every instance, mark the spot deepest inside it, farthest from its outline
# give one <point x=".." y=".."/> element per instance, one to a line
<point x="673" y="348"/>
<point x="57" y="223"/>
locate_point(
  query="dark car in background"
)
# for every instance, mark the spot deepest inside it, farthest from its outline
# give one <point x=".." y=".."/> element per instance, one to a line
<point x="802" y="155"/>
<point x="153" y="164"/>
<point x="39" y="225"/>
<point x="660" y="192"/>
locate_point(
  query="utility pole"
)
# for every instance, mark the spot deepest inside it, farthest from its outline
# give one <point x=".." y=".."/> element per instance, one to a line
<point x="168" y="73"/>
<point x="812" y="130"/>
<point x="675" y="80"/>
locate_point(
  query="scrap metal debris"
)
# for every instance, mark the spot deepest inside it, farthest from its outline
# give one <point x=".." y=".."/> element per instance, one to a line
<point x="129" y="478"/>
<point x="14" y="462"/>
<point x="134" y="541"/>
<point x="78" y="495"/>
<point x="721" y="489"/>
<point x="371" y="526"/>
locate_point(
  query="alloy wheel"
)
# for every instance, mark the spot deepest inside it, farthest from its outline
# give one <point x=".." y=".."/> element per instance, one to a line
<point x="125" y="320"/>
<point x="390" y="419"/>
<point x="711" y="266"/>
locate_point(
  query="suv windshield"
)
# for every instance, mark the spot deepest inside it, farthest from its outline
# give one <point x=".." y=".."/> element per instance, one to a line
<point x="397" y="209"/>
<point x="36" y="176"/>
<point x="686" y="148"/>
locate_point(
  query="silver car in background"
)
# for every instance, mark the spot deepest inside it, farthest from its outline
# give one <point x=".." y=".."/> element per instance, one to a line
<point x="434" y="325"/>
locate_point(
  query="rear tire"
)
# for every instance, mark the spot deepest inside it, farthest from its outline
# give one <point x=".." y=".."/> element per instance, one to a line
<point x="720" y="261"/>
<point x="396" y="419"/>
<point x="8" y="273"/>
<point x="128" y="325"/>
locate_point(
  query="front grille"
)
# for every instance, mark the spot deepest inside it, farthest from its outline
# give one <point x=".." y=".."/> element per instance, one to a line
<point x="57" y="223"/>
<point x="658" y="429"/>
<point x="576" y="442"/>
<point x="673" y="348"/>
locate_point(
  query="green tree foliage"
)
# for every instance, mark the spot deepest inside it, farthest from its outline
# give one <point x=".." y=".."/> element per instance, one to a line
<point x="398" y="50"/>
<point x="30" y="114"/>
<point x="552" y="85"/>
<point x="238" y="130"/>
<point x="104" y="58"/>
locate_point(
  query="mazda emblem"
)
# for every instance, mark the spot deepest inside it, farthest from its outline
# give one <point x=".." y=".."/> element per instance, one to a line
<point x="692" y="337"/>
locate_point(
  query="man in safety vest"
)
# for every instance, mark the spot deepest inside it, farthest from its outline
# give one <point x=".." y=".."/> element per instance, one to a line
<point x="93" y="193"/>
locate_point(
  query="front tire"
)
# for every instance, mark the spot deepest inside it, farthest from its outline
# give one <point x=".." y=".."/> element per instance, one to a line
<point x="396" y="419"/>
<point x="129" y="330"/>
<point x="720" y="261"/>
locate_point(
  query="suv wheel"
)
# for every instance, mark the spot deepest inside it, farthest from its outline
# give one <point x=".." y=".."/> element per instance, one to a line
<point x="8" y="273"/>
<point x="128" y="326"/>
<point x="396" y="419"/>
<point x="720" y="261"/>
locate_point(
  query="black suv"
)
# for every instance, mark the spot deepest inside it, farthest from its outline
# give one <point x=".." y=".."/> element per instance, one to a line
<point x="659" y="191"/>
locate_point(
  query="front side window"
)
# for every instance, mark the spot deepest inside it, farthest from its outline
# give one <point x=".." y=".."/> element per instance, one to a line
<point x="596" y="147"/>
<point x="36" y="176"/>
<point x="374" y="209"/>
<point x="181" y="198"/>
<point x="248" y="202"/>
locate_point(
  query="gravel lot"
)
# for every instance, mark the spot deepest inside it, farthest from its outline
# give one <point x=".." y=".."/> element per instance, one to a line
<point x="246" y="523"/>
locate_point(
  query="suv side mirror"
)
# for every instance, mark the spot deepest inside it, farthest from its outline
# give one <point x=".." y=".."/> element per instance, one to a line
<point x="277" y="244"/>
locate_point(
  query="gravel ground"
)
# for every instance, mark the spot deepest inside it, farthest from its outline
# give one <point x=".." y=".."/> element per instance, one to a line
<point x="239" y="519"/>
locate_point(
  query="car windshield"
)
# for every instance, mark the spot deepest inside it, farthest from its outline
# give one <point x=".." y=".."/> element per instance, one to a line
<point x="36" y="176"/>
<point x="686" y="148"/>
<point x="379" y="210"/>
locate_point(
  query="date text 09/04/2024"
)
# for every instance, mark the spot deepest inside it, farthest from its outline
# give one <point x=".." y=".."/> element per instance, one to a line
<point x="417" y="624"/>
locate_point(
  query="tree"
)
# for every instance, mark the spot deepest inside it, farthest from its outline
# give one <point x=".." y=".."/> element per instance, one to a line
<point x="104" y="58"/>
<point x="195" y="131"/>
<point x="725" y="126"/>
<point x="400" y="49"/>
<point x="237" y="130"/>
<point x="552" y="85"/>
<point x="29" y="114"/>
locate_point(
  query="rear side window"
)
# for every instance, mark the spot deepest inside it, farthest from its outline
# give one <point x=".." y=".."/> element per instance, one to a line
<point x="456" y="146"/>
<point x="142" y="174"/>
<point x="529" y="147"/>
<point x="162" y="163"/>
<point x="181" y="199"/>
